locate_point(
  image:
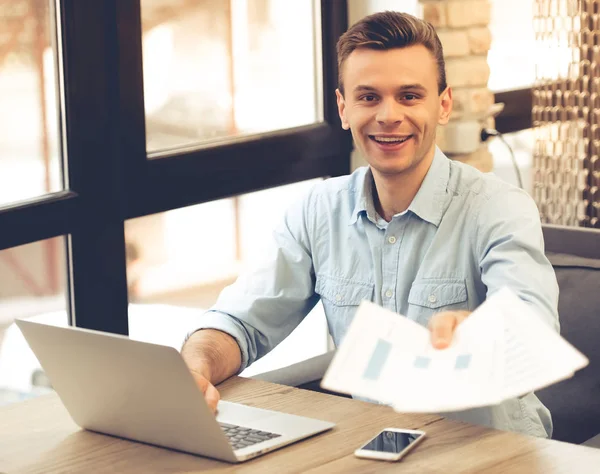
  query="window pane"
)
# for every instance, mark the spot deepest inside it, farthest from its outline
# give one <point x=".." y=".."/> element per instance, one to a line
<point x="29" y="131"/>
<point x="512" y="54"/>
<point x="32" y="286"/>
<point x="215" y="69"/>
<point x="180" y="260"/>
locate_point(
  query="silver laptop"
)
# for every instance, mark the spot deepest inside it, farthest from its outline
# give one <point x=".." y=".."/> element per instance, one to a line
<point x="144" y="392"/>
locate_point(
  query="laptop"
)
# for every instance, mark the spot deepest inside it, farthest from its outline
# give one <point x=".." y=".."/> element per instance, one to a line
<point x="144" y="392"/>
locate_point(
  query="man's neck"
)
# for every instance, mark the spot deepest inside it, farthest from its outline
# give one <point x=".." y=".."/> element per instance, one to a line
<point x="393" y="193"/>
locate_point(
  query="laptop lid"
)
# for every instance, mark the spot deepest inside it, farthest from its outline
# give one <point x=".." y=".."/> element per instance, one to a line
<point x="136" y="390"/>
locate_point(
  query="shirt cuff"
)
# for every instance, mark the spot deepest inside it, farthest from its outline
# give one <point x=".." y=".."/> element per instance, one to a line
<point x="225" y="323"/>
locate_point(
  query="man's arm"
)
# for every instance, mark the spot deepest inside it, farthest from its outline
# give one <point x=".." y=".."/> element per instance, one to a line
<point x="212" y="356"/>
<point x="510" y="250"/>
<point x="259" y="310"/>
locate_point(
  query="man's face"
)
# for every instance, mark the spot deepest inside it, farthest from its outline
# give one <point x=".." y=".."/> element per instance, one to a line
<point x="392" y="106"/>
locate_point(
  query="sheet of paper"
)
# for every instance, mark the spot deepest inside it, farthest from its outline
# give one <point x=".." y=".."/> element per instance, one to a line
<point x="502" y="350"/>
<point x="536" y="355"/>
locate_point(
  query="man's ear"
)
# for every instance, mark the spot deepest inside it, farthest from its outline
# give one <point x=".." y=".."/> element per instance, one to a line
<point x="445" y="106"/>
<point x="341" y="103"/>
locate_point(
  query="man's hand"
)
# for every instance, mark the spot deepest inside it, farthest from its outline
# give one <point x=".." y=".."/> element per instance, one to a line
<point x="211" y="356"/>
<point x="442" y="327"/>
<point x="211" y="394"/>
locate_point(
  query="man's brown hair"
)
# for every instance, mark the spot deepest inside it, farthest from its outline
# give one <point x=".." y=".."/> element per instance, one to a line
<point x="387" y="30"/>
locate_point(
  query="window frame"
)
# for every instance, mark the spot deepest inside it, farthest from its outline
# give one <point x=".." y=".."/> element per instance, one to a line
<point x="111" y="179"/>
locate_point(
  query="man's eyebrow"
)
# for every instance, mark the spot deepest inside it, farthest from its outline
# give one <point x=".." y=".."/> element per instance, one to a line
<point x="412" y="87"/>
<point x="404" y="88"/>
<point x="362" y="88"/>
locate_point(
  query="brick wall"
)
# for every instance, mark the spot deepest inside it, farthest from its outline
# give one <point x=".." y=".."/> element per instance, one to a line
<point x="462" y="26"/>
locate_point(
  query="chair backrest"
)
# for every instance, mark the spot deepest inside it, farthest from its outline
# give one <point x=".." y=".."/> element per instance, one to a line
<point x="575" y="403"/>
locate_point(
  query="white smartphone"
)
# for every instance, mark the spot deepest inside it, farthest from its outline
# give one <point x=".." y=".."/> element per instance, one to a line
<point x="391" y="444"/>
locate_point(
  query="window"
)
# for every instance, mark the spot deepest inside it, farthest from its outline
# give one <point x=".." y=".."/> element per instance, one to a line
<point x="533" y="42"/>
<point x="32" y="285"/>
<point x="221" y="69"/>
<point x="513" y="50"/>
<point x="178" y="266"/>
<point x="99" y="128"/>
<point x="29" y="128"/>
<point x="176" y="251"/>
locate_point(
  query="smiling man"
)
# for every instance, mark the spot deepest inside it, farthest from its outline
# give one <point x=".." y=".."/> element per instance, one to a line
<point x="419" y="234"/>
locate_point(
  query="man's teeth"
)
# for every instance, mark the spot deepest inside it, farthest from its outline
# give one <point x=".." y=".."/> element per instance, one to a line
<point x="390" y="139"/>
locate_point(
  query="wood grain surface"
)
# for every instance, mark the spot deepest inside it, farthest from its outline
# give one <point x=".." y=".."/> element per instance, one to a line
<point x="38" y="436"/>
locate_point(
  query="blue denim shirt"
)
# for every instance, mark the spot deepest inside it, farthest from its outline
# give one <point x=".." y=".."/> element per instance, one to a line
<point x="464" y="236"/>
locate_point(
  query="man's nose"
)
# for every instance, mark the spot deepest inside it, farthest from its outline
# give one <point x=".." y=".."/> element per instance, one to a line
<point x="390" y="112"/>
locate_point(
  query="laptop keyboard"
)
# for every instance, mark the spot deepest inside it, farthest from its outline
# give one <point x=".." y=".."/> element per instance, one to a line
<point x="240" y="437"/>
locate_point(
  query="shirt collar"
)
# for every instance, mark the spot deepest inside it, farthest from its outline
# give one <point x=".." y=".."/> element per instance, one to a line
<point x="429" y="202"/>
<point x="364" y="199"/>
<point x="431" y="198"/>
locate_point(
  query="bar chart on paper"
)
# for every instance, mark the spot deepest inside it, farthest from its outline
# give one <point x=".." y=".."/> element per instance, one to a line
<point x="463" y="361"/>
<point x="460" y="362"/>
<point x="389" y="359"/>
<point x="421" y="362"/>
<point x="381" y="353"/>
<point x="378" y="359"/>
<point x="457" y="362"/>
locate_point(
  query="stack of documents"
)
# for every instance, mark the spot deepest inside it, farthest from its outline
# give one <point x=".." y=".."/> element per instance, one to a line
<point x="502" y="350"/>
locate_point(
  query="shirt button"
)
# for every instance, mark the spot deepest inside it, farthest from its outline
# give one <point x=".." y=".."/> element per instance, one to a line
<point x="389" y="293"/>
<point x="392" y="239"/>
<point x="432" y="298"/>
<point x="338" y="297"/>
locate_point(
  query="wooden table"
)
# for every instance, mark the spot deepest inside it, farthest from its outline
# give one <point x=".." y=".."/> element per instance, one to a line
<point x="37" y="436"/>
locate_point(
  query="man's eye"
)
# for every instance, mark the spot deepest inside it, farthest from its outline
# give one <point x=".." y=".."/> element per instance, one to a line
<point x="410" y="97"/>
<point x="368" y="98"/>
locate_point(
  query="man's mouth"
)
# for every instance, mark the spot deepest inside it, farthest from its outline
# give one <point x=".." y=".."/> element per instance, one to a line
<point x="389" y="140"/>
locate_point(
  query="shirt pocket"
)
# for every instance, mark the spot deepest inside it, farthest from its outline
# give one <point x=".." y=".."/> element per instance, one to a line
<point x="432" y="295"/>
<point x="340" y="298"/>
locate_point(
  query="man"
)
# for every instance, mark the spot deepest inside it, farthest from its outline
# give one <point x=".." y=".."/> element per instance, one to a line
<point x="419" y="234"/>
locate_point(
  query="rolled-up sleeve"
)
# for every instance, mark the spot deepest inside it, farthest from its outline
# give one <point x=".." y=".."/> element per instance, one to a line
<point x="511" y="252"/>
<point x="267" y="302"/>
